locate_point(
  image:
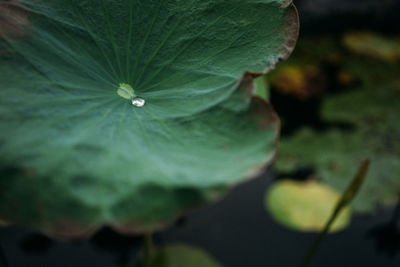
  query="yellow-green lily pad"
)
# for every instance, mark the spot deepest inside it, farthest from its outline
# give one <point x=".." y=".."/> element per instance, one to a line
<point x="305" y="206"/>
<point x="180" y="255"/>
<point x="373" y="45"/>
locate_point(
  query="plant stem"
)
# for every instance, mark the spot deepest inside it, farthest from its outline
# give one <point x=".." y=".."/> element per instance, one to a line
<point x="147" y="249"/>
<point x="317" y="242"/>
<point x="345" y="200"/>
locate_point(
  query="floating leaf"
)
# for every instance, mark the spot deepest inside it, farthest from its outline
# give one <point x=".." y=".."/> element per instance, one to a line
<point x="369" y="111"/>
<point x="303" y="81"/>
<point x="180" y="255"/>
<point x="334" y="153"/>
<point x="77" y="149"/>
<point x="345" y="78"/>
<point x="346" y="198"/>
<point x="373" y="45"/>
<point x="304" y="206"/>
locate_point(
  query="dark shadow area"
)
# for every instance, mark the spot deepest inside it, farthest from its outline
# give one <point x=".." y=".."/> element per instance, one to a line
<point x="327" y="16"/>
<point x="35" y="243"/>
<point x="121" y="245"/>
<point x="237" y="231"/>
<point x="301" y="174"/>
<point x="296" y="113"/>
<point x="3" y="259"/>
<point x="387" y="236"/>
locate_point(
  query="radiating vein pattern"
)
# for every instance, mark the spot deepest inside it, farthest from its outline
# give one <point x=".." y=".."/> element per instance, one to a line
<point x="129" y="111"/>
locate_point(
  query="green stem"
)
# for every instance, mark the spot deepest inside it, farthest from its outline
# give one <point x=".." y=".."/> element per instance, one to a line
<point x="344" y="201"/>
<point x="317" y="242"/>
<point x="147" y="249"/>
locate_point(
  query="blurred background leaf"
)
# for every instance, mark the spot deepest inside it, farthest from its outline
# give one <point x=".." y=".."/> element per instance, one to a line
<point x="179" y="255"/>
<point x="354" y="114"/>
<point x="305" y="206"/>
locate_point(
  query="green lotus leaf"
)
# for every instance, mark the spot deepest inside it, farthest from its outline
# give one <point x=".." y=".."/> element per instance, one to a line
<point x="127" y="112"/>
<point x="305" y="206"/>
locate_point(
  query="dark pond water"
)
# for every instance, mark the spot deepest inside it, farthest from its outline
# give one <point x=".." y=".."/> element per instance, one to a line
<point x="333" y="16"/>
<point x="236" y="231"/>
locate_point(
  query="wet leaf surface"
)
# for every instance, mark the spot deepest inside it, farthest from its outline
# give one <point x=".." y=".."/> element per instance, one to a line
<point x="85" y="151"/>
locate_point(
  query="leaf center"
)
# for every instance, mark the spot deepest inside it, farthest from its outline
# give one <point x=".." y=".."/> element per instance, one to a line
<point x="126" y="91"/>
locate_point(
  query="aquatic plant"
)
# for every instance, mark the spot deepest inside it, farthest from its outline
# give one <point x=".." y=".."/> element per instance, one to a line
<point x="127" y="113"/>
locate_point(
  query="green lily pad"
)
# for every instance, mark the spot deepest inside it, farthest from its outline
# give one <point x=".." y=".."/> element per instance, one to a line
<point x="180" y="255"/>
<point x="333" y="153"/>
<point x="303" y="81"/>
<point x="369" y="108"/>
<point x="305" y="206"/>
<point x="76" y="154"/>
<point x="373" y="45"/>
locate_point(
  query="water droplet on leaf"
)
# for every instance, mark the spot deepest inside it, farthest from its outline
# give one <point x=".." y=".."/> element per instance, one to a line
<point x="138" y="102"/>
